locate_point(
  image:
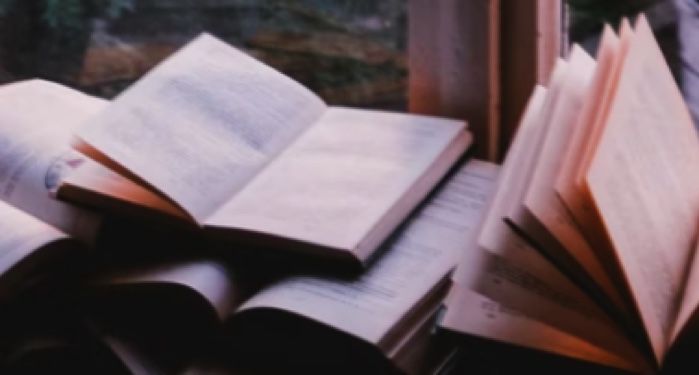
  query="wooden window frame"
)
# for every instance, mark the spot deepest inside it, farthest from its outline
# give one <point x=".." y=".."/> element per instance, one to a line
<point x="480" y="59"/>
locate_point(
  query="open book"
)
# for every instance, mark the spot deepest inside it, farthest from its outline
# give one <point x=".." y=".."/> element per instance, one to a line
<point x="31" y="252"/>
<point x="388" y="310"/>
<point x="219" y="139"/>
<point x="37" y="122"/>
<point x="41" y="236"/>
<point x="602" y="182"/>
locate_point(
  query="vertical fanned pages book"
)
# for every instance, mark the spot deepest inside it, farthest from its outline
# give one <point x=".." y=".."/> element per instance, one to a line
<point x="217" y="138"/>
<point x="588" y="247"/>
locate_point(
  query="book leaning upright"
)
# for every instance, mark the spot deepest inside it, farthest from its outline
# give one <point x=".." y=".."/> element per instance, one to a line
<point x="601" y="180"/>
<point x="219" y="139"/>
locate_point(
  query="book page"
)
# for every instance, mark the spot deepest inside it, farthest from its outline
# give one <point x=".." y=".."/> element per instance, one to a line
<point x="689" y="305"/>
<point x="209" y="279"/>
<point x="415" y="262"/>
<point x="474" y="314"/>
<point x="199" y="125"/>
<point x="525" y="139"/>
<point x="581" y="206"/>
<point x="37" y="120"/>
<point x="556" y="230"/>
<point x="540" y="291"/>
<point x="94" y="184"/>
<point x="22" y="235"/>
<point x="354" y="172"/>
<point x="593" y="104"/>
<point x="626" y="35"/>
<point x="644" y="184"/>
<point x="502" y="266"/>
<point x="527" y="156"/>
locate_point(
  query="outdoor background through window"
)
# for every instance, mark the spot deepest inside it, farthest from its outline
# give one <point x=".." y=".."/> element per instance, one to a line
<point x="350" y="52"/>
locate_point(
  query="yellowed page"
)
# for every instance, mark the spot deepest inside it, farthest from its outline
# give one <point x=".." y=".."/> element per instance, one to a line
<point x="644" y="184"/>
<point x="201" y="124"/>
<point x="474" y="314"/>
<point x="414" y="263"/>
<point x="353" y="172"/>
<point x="502" y="266"/>
<point x="555" y="228"/>
<point x="37" y="120"/>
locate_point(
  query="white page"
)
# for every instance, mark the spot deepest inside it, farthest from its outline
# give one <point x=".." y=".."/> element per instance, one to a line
<point x="200" y="125"/>
<point x="37" y="120"/>
<point x="22" y="234"/>
<point x="422" y="255"/>
<point x="339" y="180"/>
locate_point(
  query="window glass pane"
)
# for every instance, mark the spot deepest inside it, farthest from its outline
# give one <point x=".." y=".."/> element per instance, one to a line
<point x="351" y="52"/>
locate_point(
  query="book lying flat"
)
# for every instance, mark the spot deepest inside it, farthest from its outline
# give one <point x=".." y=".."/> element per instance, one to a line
<point x="40" y="235"/>
<point x="388" y="309"/>
<point x="37" y="121"/>
<point x="32" y="253"/>
<point x="229" y="144"/>
<point x="602" y="181"/>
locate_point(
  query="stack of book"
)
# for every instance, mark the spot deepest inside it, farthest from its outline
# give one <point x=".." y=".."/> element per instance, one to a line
<point x="217" y="217"/>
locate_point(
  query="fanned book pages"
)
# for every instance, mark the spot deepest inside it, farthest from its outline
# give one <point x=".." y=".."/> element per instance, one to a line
<point x="600" y="185"/>
<point x="387" y="310"/>
<point x="217" y="138"/>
